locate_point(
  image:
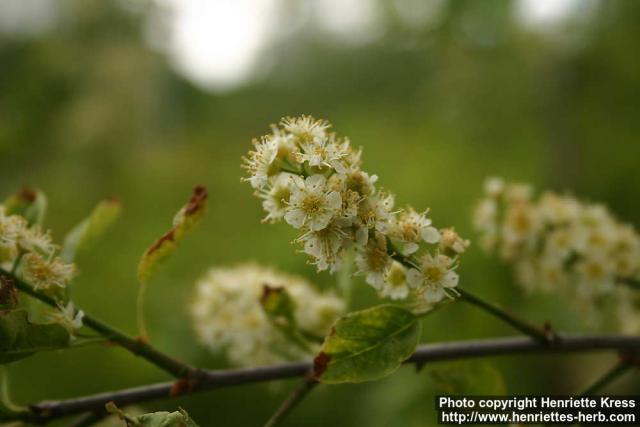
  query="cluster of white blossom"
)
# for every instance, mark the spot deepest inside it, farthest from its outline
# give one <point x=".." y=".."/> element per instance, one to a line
<point x="29" y="252"/>
<point x="557" y="242"/>
<point x="227" y="314"/>
<point x="313" y="179"/>
<point x="34" y="253"/>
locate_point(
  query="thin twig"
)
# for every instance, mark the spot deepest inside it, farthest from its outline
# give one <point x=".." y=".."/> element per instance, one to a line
<point x="505" y="316"/>
<point x="138" y="347"/>
<point x="296" y="396"/>
<point x="611" y="375"/>
<point x="480" y="302"/>
<point x="48" y="410"/>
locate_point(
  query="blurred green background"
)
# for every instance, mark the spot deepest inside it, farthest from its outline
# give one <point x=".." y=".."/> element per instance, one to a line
<point x="98" y="100"/>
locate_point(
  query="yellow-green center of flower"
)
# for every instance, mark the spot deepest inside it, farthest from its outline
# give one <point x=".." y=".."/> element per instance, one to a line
<point x="396" y="276"/>
<point x="311" y="205"/>
<point x="433" y="274"/>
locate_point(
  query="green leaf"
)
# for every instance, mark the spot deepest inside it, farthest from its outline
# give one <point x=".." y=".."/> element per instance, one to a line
<point x="91" y="228"/>
<point x="185" y="221"/>
<point x="367" y="345"/>
<point x="29" y="203"/>
<point x="468" y="378"/>
<point x="280" y="308"/>
<point x="19" y="337"/>
<point x="156" y="419"/>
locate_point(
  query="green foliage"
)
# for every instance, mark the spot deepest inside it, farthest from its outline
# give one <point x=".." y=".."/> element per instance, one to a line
<point x="29" y="203"/>
<point x="468" y="378"/>
<point x="19" y="337"/>
<point x="155" y="419"/>
<point x="91" y="228"/>
<point x="367" y="345"/>
<point x="184" y="222"/>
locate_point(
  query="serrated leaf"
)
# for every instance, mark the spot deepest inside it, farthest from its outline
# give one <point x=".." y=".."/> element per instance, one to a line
<point x="156" y="419"/>
<point x="29" y="203"/>
<point x="20" y="338"/>
<point x="91" y="228"/>
<point x="468" y="378"/>
<point x="367" y="345"/>
<point x="185" y="221"/>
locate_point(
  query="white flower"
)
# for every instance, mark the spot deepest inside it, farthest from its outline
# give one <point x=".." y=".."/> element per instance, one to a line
<point x="395" y="282"/>
<point x="261" y="163"/>
<point x="46" y="274"/>
<point x="558" y="243"/>
<point x="412" y="227"/>
<point x="435" y="279"/>
<point x="337" y="208"/>
<point x="494" y="186"/>
<point x="324" y="152"/>
<point x="11" y="228"/>
<point x="34" y="239"/>
<point x="373" y="261"/>
<point x="306" y="129"/>
<point x="311" y="204"/>
<point x="596" y="276"/>
<point x="557" y="210"/>
<point x="68" y="317"/>
<point x="376" y="211"/>
<point x="227" y="314"/>
<point x="276" y="197"/>
<point x="324" y="245"/>
<point x="451" y="242"/>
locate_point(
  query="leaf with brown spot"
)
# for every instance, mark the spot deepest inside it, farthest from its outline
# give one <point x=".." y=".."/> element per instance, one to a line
<point x="30" y="203"/>
<point x="184" y="222"/>
<point x="367" y="345"/>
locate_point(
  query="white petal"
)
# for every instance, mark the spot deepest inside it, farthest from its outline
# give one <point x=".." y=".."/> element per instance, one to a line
<point x="297" y="181"/>
<point x="410" y="248"/>
<point x="338" y="166"/>
<point x="414" y="278"/>
<point x="320" y="221"/>
<point x="334" y="200"/>
<point x="430" y="235"/>
<point x="295" y="217"/>
<point x="433" y="294"/>
<point x="397" y="292"/>
<point x="315" y="182"/>
<point x="450" y="280"/>
<point x="375" y="279"/>
<point x="362" y="236"/>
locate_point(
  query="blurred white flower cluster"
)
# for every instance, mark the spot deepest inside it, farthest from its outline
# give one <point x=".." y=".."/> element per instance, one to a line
<point x="313" y="179"/>
<point x="227" y="314"/>
<point x="33" y="252"/>
<point x="558" y="243"/>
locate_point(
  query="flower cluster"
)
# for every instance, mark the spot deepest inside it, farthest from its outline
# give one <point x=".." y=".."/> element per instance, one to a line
<point x="557" y="242"/>
<point x="227" y="314"/>
<point x="32" y="252"/>
<point x="312" y="179"/>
